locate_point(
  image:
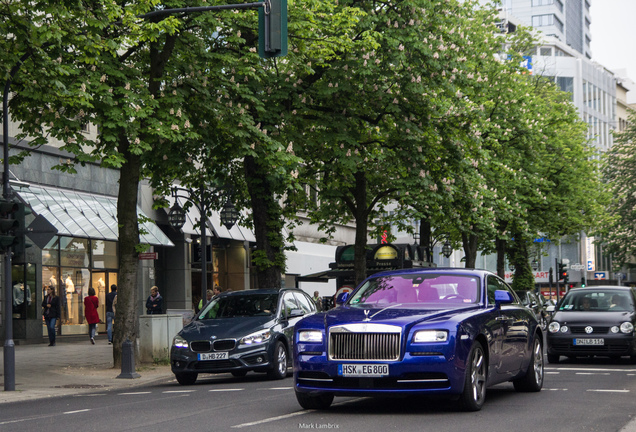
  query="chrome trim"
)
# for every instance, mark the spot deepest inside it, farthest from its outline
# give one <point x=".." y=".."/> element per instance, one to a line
<point x="364" y="342"/>
<point x="424" y="380"/>
<point x="316" y="379"/>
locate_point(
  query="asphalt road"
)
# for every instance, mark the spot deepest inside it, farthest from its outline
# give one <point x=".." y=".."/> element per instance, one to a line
<point x="581" y="395"/>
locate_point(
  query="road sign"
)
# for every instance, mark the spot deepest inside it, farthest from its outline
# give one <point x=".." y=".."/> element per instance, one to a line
<point x="600" y="275"/>
<point x="148" y="256"/>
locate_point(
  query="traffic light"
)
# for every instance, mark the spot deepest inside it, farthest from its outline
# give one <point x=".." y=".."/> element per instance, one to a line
<point x="272" y="29"/>
<point x="8" y="225"/>
<point x="566" y="278"/>
<point x="562" y="273"/>
<point x="582" y="281"/>
<point x="22" y="243"/>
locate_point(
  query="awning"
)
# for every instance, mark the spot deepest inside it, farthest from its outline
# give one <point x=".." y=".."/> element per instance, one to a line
<point x="79" y="214"/>
<point x="214" y="225"/>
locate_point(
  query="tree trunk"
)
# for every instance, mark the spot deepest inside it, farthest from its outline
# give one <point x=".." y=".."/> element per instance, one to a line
<point x="524" y="277"/>
<point x="425" y="239"/>
<point x="501" y="257"/>
<point x="269" y="256"/>
<point x="469" y="242"/>
<point x="126" y="318"/>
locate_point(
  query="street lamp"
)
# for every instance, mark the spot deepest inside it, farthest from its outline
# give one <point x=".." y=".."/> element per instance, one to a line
<point x="447" y="249"/>
<point x="202" y="199"/>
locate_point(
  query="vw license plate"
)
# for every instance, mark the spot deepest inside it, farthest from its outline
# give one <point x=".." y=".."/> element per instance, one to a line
<point x="214" y="356"/>
<point x="363" y="370"/>
<point x="589" y="341"/>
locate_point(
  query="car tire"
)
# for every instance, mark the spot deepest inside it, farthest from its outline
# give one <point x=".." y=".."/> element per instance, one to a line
<point x="553" y="358"/>
<point x="474" y="394"/>
<point x="239" y="374"/>
<point x="186" y="378"/>
<point x="532" y="381"/>
<point x="279" y="362"/>
<point x="321" y="402"/>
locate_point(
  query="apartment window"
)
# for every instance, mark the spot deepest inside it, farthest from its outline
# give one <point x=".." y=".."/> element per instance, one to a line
<point x="546" y="52"/>
<point x="547" y="20"/>
<point x="566" y="84"/>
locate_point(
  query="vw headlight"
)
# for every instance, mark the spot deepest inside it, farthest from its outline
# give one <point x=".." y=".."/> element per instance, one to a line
<point x="554" y="327"/>
<point x="627" y="327"/>
<point x="179" y="342"/>
<point x="430" y="336"/>
<point x="311" y="336"/>
<point x="256" y="338"/>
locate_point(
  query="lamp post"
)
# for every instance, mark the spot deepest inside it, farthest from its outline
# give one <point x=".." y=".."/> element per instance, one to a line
<point x="447" y="249"/>
<point x="203" y="200"/>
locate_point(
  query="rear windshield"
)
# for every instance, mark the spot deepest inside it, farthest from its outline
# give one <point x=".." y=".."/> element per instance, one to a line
<point x="413" y="289"/>
<point x="240" y="306"/>
<point x="597" y="301"/>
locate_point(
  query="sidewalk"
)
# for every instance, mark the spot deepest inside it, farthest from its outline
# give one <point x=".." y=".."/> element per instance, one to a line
<point x="71" y="367"/>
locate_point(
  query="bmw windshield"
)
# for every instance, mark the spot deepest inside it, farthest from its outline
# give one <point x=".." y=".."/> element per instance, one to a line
<point x="240" y="306"/>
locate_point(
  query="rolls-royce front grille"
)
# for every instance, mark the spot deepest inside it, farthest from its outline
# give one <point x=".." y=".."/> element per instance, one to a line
<point x="364" y="346"/>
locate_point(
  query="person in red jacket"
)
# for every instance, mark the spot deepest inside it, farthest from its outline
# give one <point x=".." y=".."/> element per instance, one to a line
<point x="91" y="302"/>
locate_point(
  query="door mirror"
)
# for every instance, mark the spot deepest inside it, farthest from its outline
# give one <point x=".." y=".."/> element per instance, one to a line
<point x="503" y="297"/>
<point x="342" y="298"/>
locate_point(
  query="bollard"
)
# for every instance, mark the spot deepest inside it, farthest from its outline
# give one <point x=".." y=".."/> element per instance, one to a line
<point x="128" y="361"/>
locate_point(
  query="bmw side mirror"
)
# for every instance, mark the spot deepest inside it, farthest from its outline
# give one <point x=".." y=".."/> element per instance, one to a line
<point x="342" y="298"/>
<point x="294" y="313"/>
<point x="503" y="297"/>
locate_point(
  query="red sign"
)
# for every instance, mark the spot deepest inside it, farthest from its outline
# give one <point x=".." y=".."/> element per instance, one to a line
<point x="148" y="256"/>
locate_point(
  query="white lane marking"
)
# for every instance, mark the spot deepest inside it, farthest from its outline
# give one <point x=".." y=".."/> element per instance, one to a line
<point x="279" y="388"/>
<point x="224" y="390"/>
<point x="592" y="373"/>
<point x="178" y="391"/>
<point x="555" y="389"/>
<point x="290" y="415"/>
<point x="75" y="412"/>
<point x="608" y="391"/>
<point x="89" y="395"/>
<point x="553" y="373"/>
<point x="133" y="393"/>
<point x="595" y="369"/>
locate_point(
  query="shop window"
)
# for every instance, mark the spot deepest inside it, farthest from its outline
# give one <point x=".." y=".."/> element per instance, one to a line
<point x="74" y="252"/>
<point x="23" y="290"/>
<point x="104" y="254"/>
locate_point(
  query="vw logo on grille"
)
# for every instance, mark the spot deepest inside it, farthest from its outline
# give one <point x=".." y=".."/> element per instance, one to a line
<point x="589" y="329"/>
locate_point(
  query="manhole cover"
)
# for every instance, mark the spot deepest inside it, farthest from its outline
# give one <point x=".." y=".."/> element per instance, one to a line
<point x="81" y="386"/>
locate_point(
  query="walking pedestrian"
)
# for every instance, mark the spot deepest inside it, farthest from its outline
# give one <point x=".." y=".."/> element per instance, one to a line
<point x="91" y="303"/>
<point x="154" y="303"/>
<point x="110" y="311"/>
<point x="318" y="301"/>
<point x="51" y="311"/>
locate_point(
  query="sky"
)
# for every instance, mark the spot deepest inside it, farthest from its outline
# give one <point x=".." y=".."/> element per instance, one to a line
<point x="613" y="32"/>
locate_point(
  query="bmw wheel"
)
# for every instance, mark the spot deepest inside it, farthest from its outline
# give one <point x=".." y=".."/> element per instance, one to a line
<point x="474" y="394"/>
<point x="532" y="381"/>
<point x="279" y="366"/>
<point x="322" y="401"/>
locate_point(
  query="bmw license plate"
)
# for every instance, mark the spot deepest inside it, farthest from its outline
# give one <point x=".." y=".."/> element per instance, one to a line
<point x="214" y="356"/>
<point x="363" y="370"/>
<point x="589" y="341"/>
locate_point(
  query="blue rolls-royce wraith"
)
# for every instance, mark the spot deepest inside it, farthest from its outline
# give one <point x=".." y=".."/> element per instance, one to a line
<point x="419" y="331"/>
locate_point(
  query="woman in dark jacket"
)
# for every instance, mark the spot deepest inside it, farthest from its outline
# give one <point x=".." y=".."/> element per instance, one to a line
<point x="154" y="303"/>
<point x="91" y="303"/>
<point x="51" y="311"/>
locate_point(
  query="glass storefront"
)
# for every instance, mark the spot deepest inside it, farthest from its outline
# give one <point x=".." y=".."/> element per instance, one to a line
<point x="72" y="266"/>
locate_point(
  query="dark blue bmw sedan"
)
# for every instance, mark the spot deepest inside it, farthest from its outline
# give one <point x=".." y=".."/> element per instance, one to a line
<point x="419" y="331"/>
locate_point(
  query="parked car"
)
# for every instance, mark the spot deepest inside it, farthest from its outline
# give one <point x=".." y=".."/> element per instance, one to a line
<point x="239" y="332"/>
<point x="532" y="301"/>
<point x="419" y="331"/>
<point x="593" y="321"/>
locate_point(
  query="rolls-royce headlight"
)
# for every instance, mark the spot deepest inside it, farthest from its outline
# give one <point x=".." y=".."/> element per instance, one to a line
<point x="256" y="338"/>
<point x="311" y="336"/>
<point x="179" y="342"/>
<point x="554" y="327"/>
<point x="627" y="327"/>
<point x="430" y="336"/>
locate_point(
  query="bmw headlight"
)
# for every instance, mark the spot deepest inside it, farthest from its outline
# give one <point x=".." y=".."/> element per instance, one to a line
<point x="627" y="327"/>
<point x="311" y="336"/>
<point x="554" y="327"/>
<point x="179" y="342"/>
<point x="430" y="336"/>
<point x="256" y="338"/>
